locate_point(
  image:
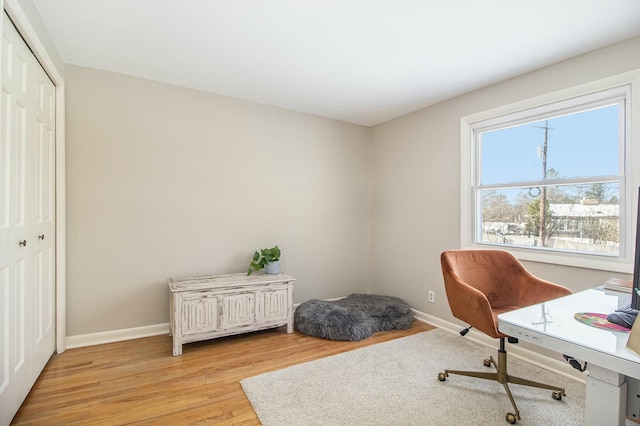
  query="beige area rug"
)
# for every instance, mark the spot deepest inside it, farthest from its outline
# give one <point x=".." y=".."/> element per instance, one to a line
<point x="395" y="383"/>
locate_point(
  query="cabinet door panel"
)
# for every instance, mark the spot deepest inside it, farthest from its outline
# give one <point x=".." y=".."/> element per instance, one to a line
<point x="273" y="305"/>
<point x="199" y="315"/>
<point x="238" y="310"/>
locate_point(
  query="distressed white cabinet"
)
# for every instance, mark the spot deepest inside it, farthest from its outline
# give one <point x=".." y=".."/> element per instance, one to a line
<point x="213" y="306"/>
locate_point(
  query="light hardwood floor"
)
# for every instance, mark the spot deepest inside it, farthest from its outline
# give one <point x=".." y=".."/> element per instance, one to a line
<point x="139" y="381"/>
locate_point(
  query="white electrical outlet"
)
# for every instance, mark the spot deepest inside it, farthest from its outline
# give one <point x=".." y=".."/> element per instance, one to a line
<point x="432" y="296"/>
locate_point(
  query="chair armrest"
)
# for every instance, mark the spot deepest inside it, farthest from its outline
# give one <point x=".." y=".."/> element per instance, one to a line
<point x="536" y="290"/>
<point x="470" y="305"/>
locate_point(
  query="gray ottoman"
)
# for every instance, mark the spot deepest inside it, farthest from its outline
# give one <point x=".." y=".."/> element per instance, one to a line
<point x="353" y="318"/>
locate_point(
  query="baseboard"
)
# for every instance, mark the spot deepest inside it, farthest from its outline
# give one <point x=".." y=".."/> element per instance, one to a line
<point x="527" y="355"/>
<point x="535" y="358"/>
<point x="83" y="340"/>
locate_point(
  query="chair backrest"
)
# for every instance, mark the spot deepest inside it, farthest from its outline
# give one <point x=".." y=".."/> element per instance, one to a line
<point x="495" y="273"/>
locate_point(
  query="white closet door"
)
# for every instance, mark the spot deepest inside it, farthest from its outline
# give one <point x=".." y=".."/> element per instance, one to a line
<point x="42" y="122"/>
<point x="27" y="221"/>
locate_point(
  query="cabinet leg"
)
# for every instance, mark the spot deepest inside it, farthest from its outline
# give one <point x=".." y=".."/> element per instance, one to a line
<point x="177" y="347"/>
<point x="177" y="340"/>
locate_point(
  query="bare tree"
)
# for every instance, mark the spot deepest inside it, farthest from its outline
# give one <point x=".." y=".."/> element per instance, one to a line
<point x="601" y="230"/>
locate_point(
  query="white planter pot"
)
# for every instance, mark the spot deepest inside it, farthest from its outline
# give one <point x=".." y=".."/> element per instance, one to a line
<point x="272" y="268"/>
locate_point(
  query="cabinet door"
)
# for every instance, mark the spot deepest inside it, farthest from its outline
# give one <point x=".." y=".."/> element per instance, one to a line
<point x="273" y="305"/>
<point x="238" y="310"/>
<point x="199" y="314"/>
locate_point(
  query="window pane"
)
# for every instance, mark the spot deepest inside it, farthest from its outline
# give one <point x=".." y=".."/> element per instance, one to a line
<point x="577" y="218"/>
<point x="577" y="145"/>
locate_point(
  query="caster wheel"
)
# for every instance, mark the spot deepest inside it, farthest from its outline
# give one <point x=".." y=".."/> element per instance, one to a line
<point x="487" y="363"/>
<point x="511" y="418"/>
<point x="442" y="376"/>
<point x="557" y="395"/>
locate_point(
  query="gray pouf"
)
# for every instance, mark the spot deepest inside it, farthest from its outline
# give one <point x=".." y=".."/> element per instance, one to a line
<point x="353" y="318"/>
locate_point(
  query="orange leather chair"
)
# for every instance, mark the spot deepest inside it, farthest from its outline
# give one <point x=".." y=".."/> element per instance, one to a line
<point x="480" y="285"/>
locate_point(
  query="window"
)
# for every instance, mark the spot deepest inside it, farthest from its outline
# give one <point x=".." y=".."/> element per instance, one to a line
<point x="551" y="179"/>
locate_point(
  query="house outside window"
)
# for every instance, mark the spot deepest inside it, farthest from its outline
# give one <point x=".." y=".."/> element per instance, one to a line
<point x="552" y="179"/>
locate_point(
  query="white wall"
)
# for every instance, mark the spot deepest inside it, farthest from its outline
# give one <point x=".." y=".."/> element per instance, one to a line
<point x="416" y="181"/>
<point x="164" y="181"/>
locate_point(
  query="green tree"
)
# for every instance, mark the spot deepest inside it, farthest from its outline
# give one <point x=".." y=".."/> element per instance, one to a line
<point x="533" y="217"/>
<point x="597" y="191"/>
<point x="534" y="220"/>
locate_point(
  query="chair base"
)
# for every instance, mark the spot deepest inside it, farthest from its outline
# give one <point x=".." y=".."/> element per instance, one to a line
<point x="501" y="376"/>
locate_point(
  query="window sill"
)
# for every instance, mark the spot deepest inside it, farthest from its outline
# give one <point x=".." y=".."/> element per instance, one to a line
<point x="600" y="263"/>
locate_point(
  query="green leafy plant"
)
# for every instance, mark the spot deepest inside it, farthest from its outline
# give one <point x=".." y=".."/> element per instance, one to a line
<point x="261" y="258"/>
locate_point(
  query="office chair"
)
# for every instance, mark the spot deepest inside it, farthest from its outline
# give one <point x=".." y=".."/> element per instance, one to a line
<point x="480" y="285"/>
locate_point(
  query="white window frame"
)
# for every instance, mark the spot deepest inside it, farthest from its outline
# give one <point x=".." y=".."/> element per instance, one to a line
<point x="627" y="84"/>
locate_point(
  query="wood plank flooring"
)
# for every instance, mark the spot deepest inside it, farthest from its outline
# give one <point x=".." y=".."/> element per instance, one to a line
<point x="139" y="381"/>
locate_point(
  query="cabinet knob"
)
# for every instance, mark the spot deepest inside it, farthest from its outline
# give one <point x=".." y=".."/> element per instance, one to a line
<point x="41" y="237"/>
<point x="23" y="243"/>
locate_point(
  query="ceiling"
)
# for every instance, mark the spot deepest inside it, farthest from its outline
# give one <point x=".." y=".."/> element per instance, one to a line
<point x="360" y="61"/>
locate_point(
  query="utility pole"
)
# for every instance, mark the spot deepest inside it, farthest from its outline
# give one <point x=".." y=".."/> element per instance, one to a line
<point x="543" y="193"/>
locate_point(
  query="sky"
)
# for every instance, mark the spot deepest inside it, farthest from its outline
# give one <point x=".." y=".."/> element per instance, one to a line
<point x="578" y="145"/>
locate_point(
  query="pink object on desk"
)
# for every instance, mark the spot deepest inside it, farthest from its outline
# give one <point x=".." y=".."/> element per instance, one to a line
<point x="599" y="321"/>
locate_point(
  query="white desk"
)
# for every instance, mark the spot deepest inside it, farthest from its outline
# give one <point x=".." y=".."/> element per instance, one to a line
<point x="552" y="325"/>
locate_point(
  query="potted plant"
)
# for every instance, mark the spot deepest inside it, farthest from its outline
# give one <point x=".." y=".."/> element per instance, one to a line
<point x="267" y="259"/>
